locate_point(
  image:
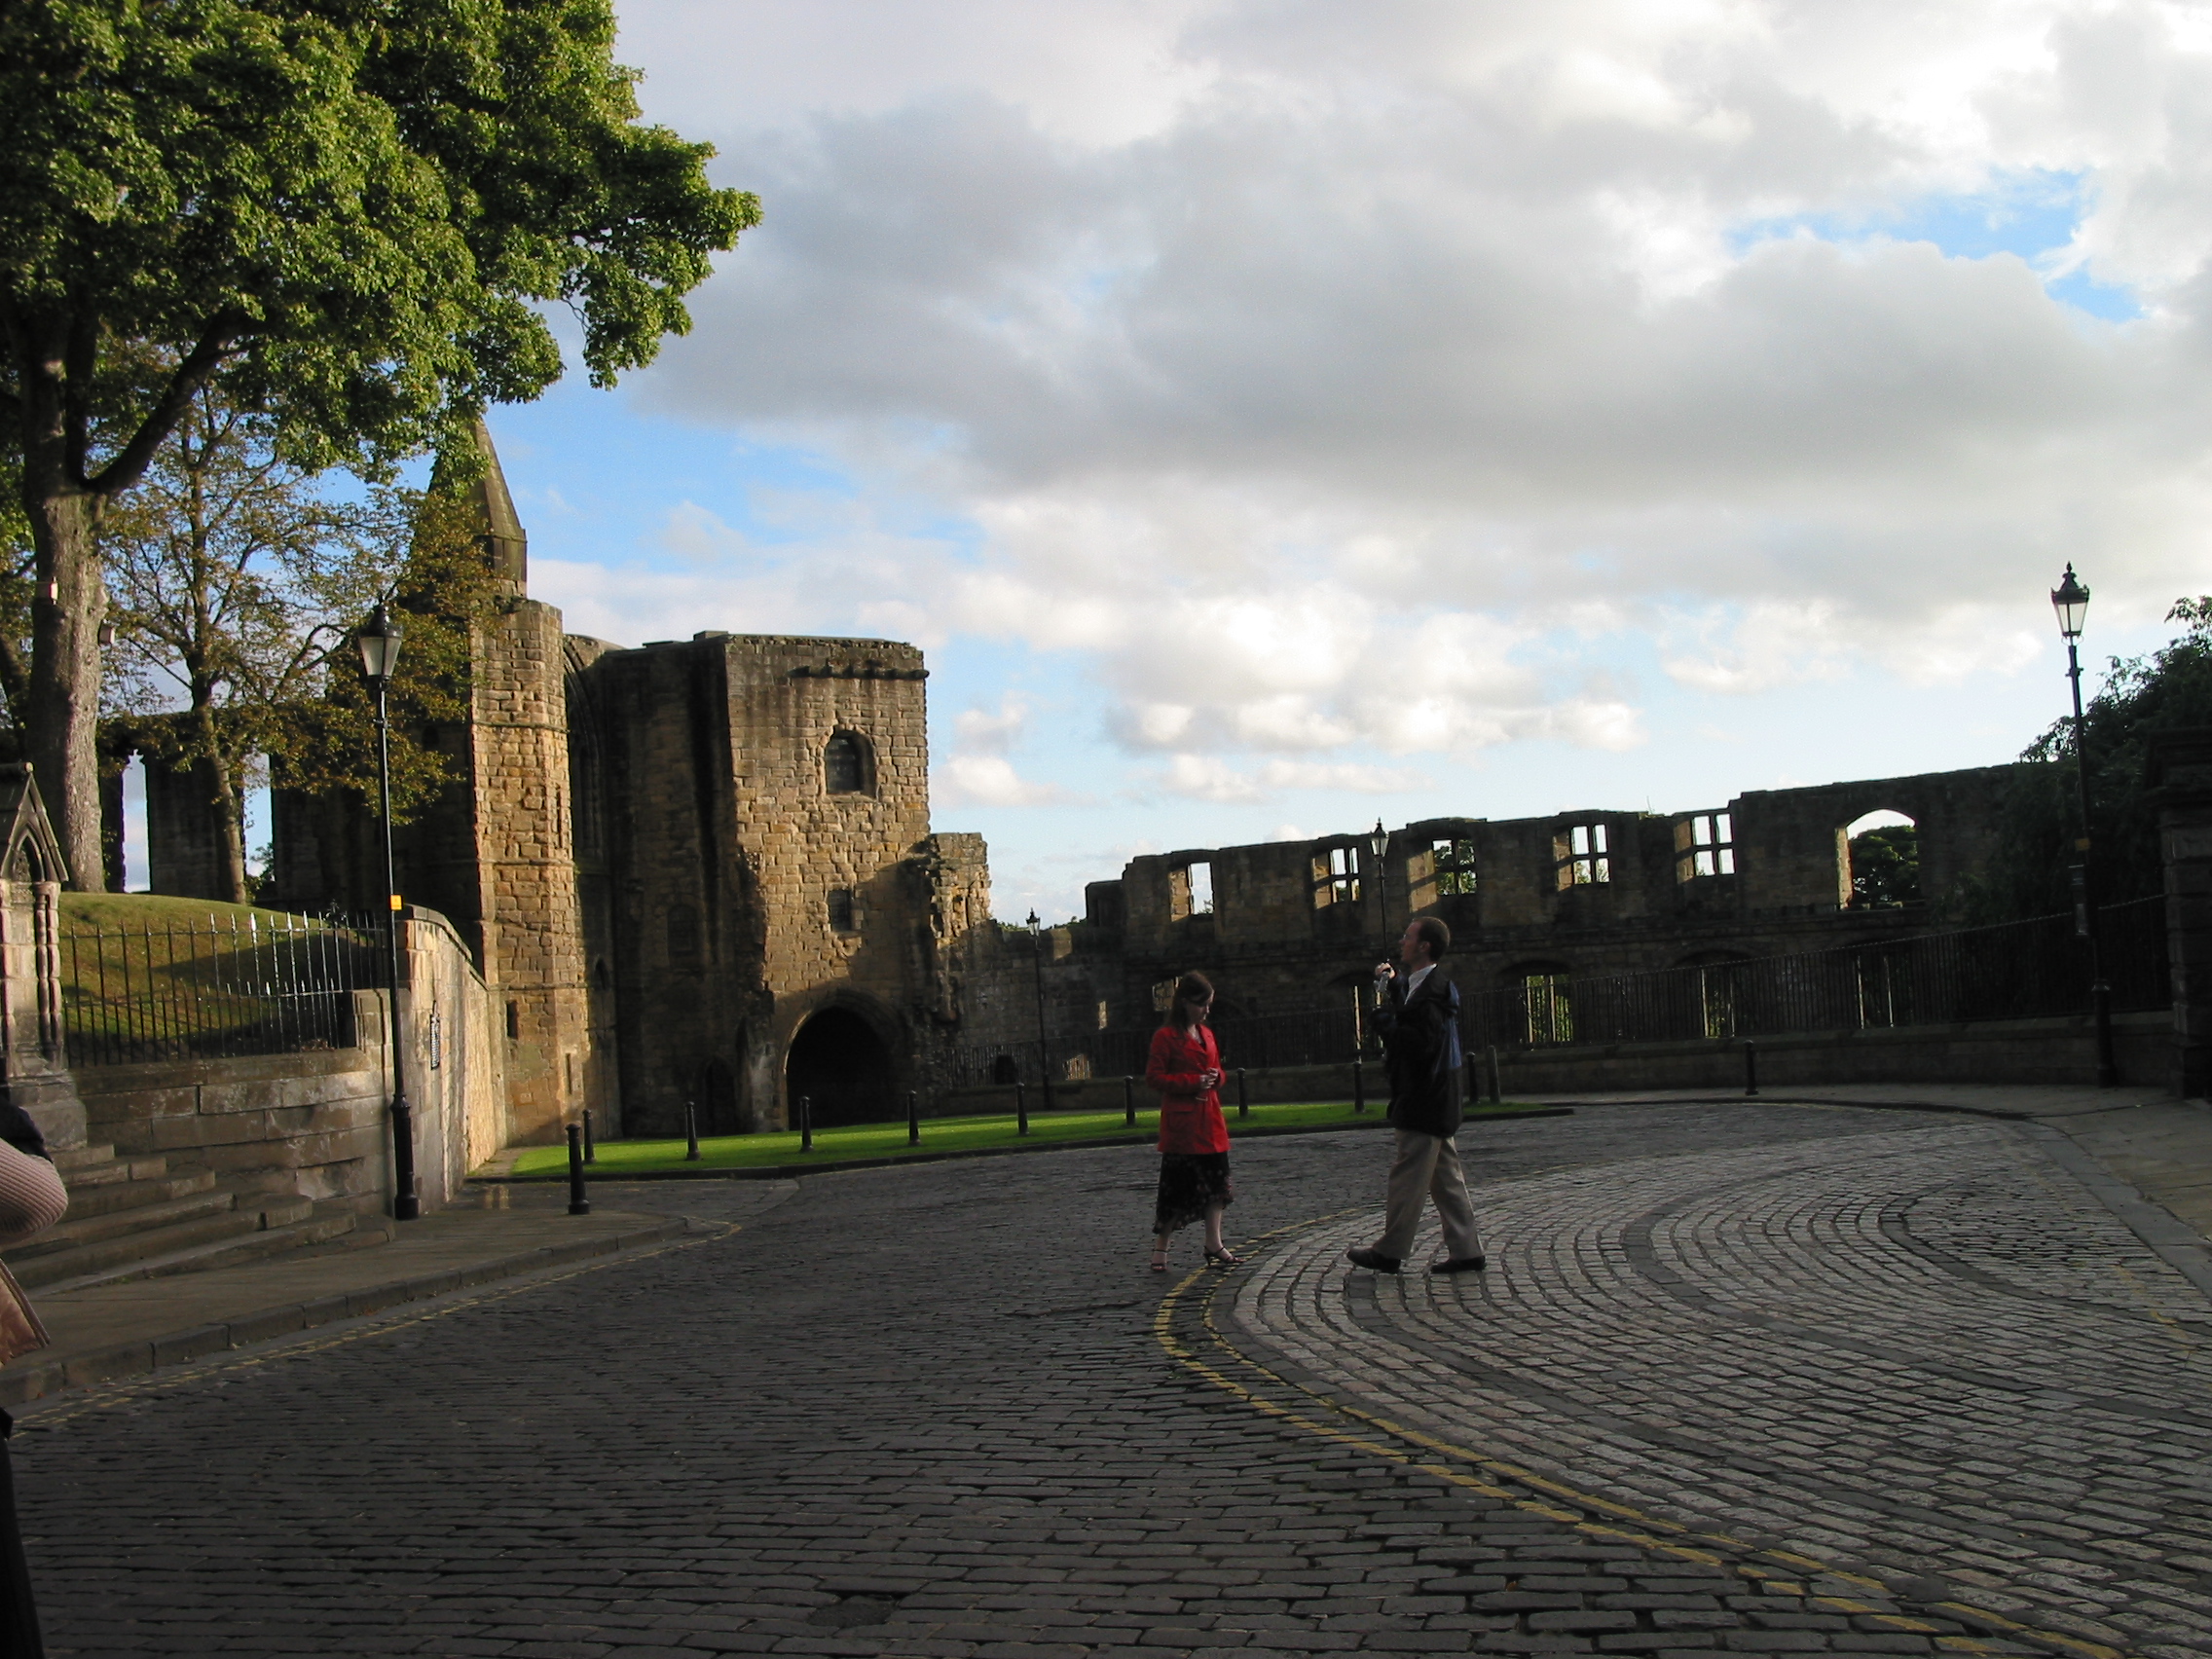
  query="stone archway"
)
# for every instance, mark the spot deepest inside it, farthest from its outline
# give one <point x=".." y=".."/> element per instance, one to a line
<point x="839" y="1063"/>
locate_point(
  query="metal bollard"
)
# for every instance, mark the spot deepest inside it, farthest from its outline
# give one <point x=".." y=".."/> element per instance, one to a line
<point x="1469" y="1080"/>
<point x="1020" y="1109"/>
<point x="1751" y="1068"/>
<point x="1243" y="1105"/>
<point x="690" y="1132"/>
<point x="578" y="1204"/>
<point x="806" y="1123"/>
<point x="913" y="1118"/>
<point x="1359" y="1085"/>
<point x="1129" y="1101"/>
<point x="591" y="1152"/>
<point x="1496" y="1079"/>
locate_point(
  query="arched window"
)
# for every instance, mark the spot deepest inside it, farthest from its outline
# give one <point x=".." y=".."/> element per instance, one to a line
<point x="844" y="764"/>
<point x="1878" y="862"/>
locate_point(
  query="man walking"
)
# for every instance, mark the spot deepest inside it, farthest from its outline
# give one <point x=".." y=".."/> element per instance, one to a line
<point x="1419" y="1019"/>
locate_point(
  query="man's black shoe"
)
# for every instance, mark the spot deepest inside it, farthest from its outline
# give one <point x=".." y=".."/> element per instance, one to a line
<point x="1373" y="1260"/>
<point x="1460" y="1265"/>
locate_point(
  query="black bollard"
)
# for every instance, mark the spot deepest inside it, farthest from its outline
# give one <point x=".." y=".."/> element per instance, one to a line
<point x="1243" y="1105"/>
<point x="1468" y="1080"/>
<point x="913" y="1118"/>
<point x="806" y="1123"/>
<point x="1020" y="1109"/>
<point x="1497" y="1080"/>
<point x="1751" y="1068"/>
<point x="578" y="1204"/>
<point x="1129" y="1101"/>
<point x="591" y="1152"/>
<point x="1359" y="1085"/>
<point x="691" y="1134"/>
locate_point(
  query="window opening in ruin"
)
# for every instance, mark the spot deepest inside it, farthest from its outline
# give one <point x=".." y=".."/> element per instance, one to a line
<point x="514" y="1022"/>
<point x="841" y="910"/>
<point x="1189" y="890"/>
<point x="137" y="869"/>
<point x="1581" y="857"/>
<point x="1704" y="844"/>
<point x="1102" y="1015"/>
<point x="1336" y="876"/>
<point x="1454" y="866"/>
<point x="1548" y="1006"/>
<point x="844" y="764"/>
<point x="1878" y="862"/>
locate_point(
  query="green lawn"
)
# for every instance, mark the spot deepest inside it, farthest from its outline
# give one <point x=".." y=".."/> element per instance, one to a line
<point x="939" y="1135"/>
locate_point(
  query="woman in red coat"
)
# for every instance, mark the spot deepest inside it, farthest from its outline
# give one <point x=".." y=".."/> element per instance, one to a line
<point x="1185" y="1066"/>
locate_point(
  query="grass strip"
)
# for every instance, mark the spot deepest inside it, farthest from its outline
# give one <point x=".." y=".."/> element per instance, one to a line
<point x="887" y="1142"/>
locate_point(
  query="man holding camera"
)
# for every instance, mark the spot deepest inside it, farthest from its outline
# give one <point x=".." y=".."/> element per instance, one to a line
<point x="1418" y="1018"/>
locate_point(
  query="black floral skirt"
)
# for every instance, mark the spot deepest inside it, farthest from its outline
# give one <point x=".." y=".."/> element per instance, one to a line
<point x="1190" y="1183"/>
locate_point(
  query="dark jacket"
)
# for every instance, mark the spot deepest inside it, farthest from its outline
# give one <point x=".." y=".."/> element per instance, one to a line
<point x="1420" y="1040"/>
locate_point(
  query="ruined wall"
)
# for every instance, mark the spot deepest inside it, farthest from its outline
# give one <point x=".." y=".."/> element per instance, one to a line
<point x="1592" y="891"/>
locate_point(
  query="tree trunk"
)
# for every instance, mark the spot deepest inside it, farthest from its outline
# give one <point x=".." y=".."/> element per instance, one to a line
<point x="222" y="780"/>
<point x="67" y="606"/>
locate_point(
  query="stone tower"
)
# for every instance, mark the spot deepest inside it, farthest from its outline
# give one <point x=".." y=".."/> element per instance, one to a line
<point x="495" y="855"/>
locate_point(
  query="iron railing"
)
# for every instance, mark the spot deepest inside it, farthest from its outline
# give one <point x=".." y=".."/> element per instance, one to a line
<point x="230" y="986"/>
<point x="2013" y="971"/>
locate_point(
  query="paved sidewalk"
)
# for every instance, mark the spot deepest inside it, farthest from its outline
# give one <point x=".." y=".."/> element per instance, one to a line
<point x="139" y="1325"/>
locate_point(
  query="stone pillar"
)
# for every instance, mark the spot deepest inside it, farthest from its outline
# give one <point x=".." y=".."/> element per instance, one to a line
<point x="34" y="1069"/>
<point x="2180" y="776"/>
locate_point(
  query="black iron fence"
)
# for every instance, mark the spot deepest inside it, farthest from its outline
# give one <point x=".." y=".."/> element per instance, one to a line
<point x="2013" y="971"/>
<point x="228" y="986"/>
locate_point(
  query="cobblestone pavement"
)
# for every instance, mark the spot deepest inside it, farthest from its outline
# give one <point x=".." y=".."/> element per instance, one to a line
<point x="1926" y="1355"/>
<point x="944" y="1412"/>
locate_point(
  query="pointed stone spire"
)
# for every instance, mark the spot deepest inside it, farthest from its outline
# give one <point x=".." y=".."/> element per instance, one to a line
<point x="507" y="547"/>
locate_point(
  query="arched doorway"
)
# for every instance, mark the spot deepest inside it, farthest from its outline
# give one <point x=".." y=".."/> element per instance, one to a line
<point x="840" y="1064"/>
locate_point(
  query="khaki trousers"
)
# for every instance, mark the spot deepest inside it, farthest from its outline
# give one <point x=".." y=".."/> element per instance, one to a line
<point x="1428" y="1166"/>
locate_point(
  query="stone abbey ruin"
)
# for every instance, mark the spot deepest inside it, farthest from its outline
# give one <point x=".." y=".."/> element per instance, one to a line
<point x="703" y="872"/>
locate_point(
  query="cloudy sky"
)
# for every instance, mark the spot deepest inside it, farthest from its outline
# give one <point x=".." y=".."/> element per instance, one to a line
<point x="1274" y="414"/>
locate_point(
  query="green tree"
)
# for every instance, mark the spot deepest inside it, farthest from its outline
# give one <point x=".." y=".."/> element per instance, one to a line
<point x="2168" y="688"/>
<point x="350" y="212"/>
<point x="1885" y="866"/>
<point x="234" y="580"/>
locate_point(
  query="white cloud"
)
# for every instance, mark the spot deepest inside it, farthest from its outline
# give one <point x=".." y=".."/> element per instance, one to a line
<point x="1209" y="778"/>
<point x="1330" y="381"/>
<point x="989" y="780"/>
<point x="980" y="731"/>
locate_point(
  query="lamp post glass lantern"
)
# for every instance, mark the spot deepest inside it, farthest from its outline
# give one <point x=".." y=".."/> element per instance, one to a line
<point x="2070" y="602"/>
<point x="379" y="642"/>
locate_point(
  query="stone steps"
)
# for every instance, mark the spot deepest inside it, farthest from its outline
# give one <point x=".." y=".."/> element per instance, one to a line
<point x="144" y="1218"/>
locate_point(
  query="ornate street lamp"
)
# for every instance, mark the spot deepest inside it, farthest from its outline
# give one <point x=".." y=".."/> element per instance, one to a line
<point x="1044" y="1059"/>
<point x="379" y="642"/>
<point x="2071" y="600"/>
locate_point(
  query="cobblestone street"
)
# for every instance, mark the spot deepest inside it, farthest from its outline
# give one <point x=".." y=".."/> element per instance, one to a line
<point x="1754" y="1379"/>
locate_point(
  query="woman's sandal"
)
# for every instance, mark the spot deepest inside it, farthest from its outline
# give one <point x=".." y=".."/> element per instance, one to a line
<point x="1225" y="1258"/>
<point x="1160" y="1261"/>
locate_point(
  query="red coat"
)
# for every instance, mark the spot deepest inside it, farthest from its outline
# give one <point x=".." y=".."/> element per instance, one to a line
<point x="1190" y="1117"/>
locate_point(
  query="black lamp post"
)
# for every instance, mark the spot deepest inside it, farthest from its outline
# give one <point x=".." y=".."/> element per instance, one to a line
<point x="2071" y="600"/>
<point x="1044" y="1059"/>
<point x="379" y="640"/>
<point x="1378" y="843"/>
